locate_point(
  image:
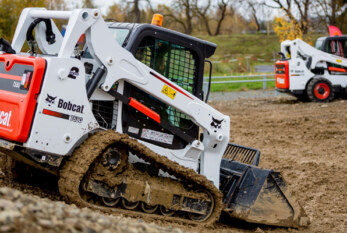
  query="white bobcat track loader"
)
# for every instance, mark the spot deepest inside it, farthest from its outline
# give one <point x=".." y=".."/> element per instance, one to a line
<point x="317" y="74"/>
<point x="123" y="125"/>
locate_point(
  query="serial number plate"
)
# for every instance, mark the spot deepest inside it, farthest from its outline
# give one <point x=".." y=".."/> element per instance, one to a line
<point x="133" y="130"/>
<point x="157" y="136"/>
<point x="76" y="119"/>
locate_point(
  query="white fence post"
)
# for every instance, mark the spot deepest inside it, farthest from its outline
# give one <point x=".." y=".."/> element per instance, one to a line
<point x="261" y="78"/>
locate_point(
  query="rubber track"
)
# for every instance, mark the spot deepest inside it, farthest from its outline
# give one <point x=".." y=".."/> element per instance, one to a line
<point x="76" y="166"/>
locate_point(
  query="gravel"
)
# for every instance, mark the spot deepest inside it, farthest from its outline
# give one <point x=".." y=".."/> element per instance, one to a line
<point x="21" y="212"/>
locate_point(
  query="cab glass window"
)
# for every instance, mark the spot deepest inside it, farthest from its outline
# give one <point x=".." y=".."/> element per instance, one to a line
<point x="319" y="44"/>
<point x="336" y="47"/>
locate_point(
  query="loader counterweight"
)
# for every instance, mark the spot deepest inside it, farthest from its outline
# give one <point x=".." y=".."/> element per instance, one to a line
<point x="20" y="83"/>
<point x="282" y="75"/>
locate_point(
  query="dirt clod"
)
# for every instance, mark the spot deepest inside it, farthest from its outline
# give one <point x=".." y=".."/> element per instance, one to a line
<point x="258" y="230"/>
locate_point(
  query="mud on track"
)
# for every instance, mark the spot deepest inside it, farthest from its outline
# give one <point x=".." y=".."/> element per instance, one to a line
<point x="307" y="142"/>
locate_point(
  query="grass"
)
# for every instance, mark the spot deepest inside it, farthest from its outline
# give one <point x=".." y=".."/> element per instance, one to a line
<point x="260" y="46"/>
<point x="241" y="86"/>
<point x="238" y="55"/>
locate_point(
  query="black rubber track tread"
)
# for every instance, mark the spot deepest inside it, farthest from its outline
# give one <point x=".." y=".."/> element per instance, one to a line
<point x="76" y="166"/>
<point x="310" y="90"/>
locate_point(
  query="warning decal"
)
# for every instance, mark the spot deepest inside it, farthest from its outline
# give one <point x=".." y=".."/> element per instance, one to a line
<point x="169" y="91"/>
<point x="157" y="136"/>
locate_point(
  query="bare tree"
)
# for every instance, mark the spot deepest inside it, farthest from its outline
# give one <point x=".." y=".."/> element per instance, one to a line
<point x="181" y="11"/>
<point x="302" y="6"/>
<point x="150" y="6"/>
<point x="329" y="10"/>
<point x="136" y="11"/>
<point x="222" y="12"/>
<point x="207" y="15"/>
<point x="202" y="12"/>
<point x="116" y="12"/>
<point x="88" y="4"/>
<point x="254" y="7"/>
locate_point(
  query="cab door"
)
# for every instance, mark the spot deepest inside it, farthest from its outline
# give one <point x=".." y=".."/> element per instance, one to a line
<point x="182" y="65"/>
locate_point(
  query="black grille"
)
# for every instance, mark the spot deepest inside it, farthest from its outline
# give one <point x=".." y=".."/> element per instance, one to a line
<point x="280" y="69"/>
<point x="242" y="154"/>
<point x="176" y="63"/>
<point x="103" y="113"/>
<point x="182" y="68"/>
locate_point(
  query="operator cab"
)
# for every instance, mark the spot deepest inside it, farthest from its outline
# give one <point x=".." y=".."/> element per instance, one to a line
<point x="335" y="45"/>
<point x="175" y="55"/>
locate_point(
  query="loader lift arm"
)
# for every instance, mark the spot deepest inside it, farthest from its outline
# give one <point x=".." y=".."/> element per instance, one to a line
<point x="312" y="56"/>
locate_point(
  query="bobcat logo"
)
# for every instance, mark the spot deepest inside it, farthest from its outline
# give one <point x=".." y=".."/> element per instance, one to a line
<point x="50" y="99"/>
<point x="216" y="123"/>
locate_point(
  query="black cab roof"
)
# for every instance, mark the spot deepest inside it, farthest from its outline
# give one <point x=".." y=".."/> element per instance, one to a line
<point x="138" y="31"/>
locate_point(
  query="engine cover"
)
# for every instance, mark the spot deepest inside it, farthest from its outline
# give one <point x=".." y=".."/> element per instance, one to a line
<point x="20" y="83"/>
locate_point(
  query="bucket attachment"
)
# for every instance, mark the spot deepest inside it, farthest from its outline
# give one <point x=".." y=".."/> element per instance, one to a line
<point x="259" y="196"/>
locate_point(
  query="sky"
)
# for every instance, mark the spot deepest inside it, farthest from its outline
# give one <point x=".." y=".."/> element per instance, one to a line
<point x="103" y="5"/>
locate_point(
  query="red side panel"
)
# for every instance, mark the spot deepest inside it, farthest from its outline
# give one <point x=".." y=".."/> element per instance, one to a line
<point x="17" y="104"/>
<point x="336" y="69"/>
<point x="145" y="110"/>
<point x="282" y="74"/>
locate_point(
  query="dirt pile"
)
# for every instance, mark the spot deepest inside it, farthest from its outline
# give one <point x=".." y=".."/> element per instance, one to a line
<point x="27" y="213"/>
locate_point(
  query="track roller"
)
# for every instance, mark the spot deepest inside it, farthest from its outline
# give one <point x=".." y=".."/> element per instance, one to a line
<point x="166" y="212"/>
<point x="148" y="208"/>
<point x="110" y="201"/>
<point x="129" y="205"/>
<point x="208" y="207"/>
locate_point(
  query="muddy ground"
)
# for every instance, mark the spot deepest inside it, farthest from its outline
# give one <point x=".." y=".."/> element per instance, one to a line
<point x="307" y="142"/>
<point x="304" y="141"/>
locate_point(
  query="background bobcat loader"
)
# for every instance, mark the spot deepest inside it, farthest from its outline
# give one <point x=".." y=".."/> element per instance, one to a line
<point x="70" y="113"/>
<point x="313" y="73"/>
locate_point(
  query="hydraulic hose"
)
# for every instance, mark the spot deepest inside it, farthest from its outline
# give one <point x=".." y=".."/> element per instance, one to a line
<point x="50" y="36"/>
<point x="93" y="82"/>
